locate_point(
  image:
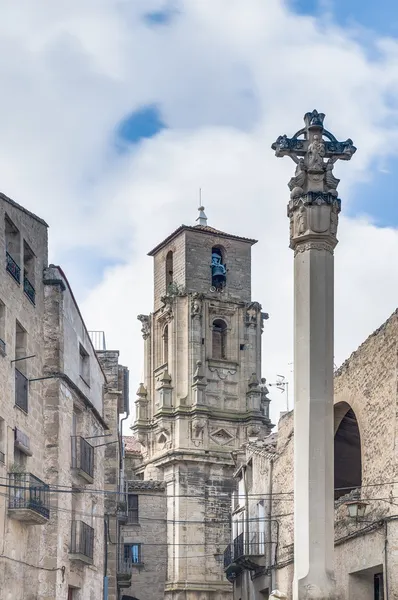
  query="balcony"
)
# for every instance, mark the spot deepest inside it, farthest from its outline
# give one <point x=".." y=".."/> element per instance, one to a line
<point x="243" y="555"/>
<point x="29" y="290"/>
<point x="83" y="458"/>
<point x="21" y="390"/>
<point x="129" y="556"/>
<point x="13" y="269"/>
<point x="28" y="499"/>
<point x="82" y="543"/>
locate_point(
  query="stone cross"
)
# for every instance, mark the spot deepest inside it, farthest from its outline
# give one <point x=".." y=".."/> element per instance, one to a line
<point x="313" y="212"/>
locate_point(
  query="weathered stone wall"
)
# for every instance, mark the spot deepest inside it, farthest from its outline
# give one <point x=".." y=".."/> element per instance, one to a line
<point x="367" y="384"/>
<point x="35" y="561"/>
<point x="148" y="579"/>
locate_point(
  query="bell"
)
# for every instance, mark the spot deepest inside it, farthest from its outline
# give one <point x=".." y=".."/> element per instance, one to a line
<point x="218" y="271"/>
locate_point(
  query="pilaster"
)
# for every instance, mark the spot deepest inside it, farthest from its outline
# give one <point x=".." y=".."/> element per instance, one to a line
<point x="313" y="211"/>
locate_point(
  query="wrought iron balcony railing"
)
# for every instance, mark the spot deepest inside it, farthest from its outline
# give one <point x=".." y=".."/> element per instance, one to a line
<point x="242" y="548"/>
<point x="129" y="555"/>
<point x="82" y="542"/>
<point x="83" y="457"/>
<point x="29" y="290"/>
<point x="28" y="498"/>
<point x="13" y="268"/>
<point x="21" y="390"/>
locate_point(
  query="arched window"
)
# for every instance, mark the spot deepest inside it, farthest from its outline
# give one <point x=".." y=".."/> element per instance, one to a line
<point x="218" y="268"/>
<point x="219" y="339"/>
<point x="169" y="269"/>
<point x="165" y="345"/>
<point x="347" y="451"/>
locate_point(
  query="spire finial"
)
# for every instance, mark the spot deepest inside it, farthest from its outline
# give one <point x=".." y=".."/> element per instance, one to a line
<point x="202" y="219"/>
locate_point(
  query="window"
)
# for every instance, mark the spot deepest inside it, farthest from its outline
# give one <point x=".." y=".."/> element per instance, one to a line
<point x="218" y="269"/>
<point x="378" y="586"/>
<point x="2" y="328"/>
<point x="165" y="340"/>
<point x="19" y="460"/>
<point x="133" y="508"/>
<point x="347" y="451"/>
<point x="21" y="381"/>
<point x="2" y="441"/>
<point x="219" y="339"/>
<point x="28" y="272"/>
<point x="84" y="367"/>
<point x="132" y="554"/>
<point x="21" y="343"/>
<point x="13" y="249"/>
<point x="169" y="270"/>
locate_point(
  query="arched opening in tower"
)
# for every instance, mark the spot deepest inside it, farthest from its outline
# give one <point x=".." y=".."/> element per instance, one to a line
<point x="169" y="270"/>
<point x="218" y="269"/>
<point x="165" y="352"/>
<point x="347" y="451"/>
<point x="219" y="339"/>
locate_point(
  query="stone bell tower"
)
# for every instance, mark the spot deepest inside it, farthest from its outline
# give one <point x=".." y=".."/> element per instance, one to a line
<point x="201" y="397"/>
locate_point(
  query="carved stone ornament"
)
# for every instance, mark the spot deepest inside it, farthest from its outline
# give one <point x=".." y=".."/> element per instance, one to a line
<point x="252" y="311"/>
<point x="321" y="245"/>
<point x="146" y="325"/>
<point x="222" y="437"/>
<point x="196" y="305"/>
<point x="167" y="308"/>
<point x="222" y="372"/>
<point x="197" y="428"/>
<point x="314" y="156"/>
<point x="313" y="216"/>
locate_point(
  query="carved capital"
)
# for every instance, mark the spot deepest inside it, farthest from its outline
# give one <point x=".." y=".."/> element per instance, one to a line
<point x="313" y="217"/>
<point x="315" y="245"/>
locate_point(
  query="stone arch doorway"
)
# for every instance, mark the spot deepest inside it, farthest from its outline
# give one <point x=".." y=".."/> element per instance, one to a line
<point x="347" y="450"/>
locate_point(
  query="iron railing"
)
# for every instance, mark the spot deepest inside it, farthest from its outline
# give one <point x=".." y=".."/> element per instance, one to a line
<point x="13" y="268"/>
<point x="82" y="539"/>
<point x="2" y="346"/>
<point x="29" y="290"/>
<point x="98" y="340"/>
<point x="82" y="455"/>
<point x="240" y="547"/>
<point x="27" y="491"/>
<point x="129" y="555"/>
<point x="21" y="390"/>
<point x="2" y="457"/>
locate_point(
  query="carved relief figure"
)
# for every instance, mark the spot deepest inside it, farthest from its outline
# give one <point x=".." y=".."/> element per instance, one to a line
<point x="251" y="313"/>
<point x="331" y="181"/>
<point x="196" y="305"/>
<point x="301" y="221"/>
<point x="296" y="184"/>
<point x="316" y="153"/>
<point x="334" y="219"/>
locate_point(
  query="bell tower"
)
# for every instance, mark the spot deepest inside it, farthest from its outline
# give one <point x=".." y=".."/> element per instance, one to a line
<point x="201" y="398"/>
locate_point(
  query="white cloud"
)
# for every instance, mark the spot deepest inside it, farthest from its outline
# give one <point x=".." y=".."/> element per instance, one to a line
<point x="228" y="82"/>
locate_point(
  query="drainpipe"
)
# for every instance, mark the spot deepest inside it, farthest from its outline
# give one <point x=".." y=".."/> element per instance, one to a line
<point x="385" y="558"/>
<point x="246" y="548"/>
<point x="270" y="561"/>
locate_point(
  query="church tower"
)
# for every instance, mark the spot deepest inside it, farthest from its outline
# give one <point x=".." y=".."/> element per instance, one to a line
<point x="202" y="397"/>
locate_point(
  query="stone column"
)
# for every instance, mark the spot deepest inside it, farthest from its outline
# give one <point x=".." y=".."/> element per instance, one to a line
<point x="313" y="212"/>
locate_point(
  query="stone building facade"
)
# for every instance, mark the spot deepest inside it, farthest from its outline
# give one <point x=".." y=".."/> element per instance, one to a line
<point x="201" y="397"/>
<point x="260" y="555"/>
<point x="52" y="426"/>
<point x="143" y="541"/>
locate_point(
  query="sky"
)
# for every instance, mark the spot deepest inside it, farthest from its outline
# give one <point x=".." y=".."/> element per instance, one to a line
<point x="113" y="113"/>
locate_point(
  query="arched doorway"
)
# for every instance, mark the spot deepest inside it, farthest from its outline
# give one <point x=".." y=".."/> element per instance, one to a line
<point x="347" y="451"/>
